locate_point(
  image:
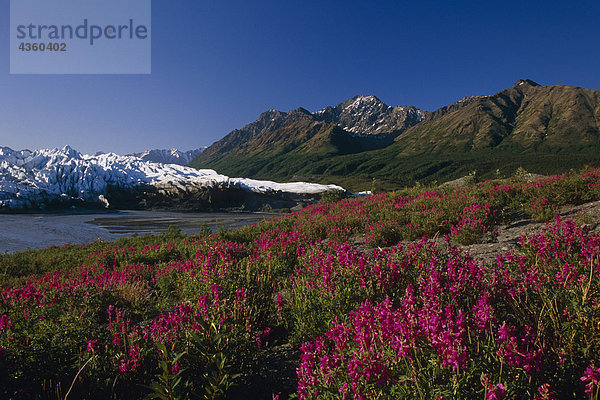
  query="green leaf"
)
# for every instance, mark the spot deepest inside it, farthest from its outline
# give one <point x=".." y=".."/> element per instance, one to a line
<point x="178" y="356"/>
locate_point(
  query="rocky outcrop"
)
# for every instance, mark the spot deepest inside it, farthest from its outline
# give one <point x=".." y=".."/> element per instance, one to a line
<point x="198" y="198"/>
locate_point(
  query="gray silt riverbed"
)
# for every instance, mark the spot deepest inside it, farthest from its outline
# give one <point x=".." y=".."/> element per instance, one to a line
<point x="34" y="231"/>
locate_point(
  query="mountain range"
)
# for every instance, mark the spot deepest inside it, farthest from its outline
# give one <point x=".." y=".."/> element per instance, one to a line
<point x="359" y="142"/>
<point x="170" y="156"/>
<point x="544" y="129"/>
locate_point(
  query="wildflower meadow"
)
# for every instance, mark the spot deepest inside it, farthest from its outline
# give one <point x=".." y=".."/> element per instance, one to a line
<point x="377" y="295"/>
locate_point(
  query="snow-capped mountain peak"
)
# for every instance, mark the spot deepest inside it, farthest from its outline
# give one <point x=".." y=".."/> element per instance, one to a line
<point x="363" y="103"/>
<point x="367" y="115"/>
<point x="170" y="156"/>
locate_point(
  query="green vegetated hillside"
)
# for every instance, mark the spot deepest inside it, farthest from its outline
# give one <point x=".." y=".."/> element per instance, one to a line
<point x="544" y="129"/>
<point x="524" y="118"/>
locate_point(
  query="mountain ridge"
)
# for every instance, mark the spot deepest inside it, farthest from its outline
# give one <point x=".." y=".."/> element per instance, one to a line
<point x="524" y="117"/>
<point x="359" y="124"/>
<point x="365" y="138"/>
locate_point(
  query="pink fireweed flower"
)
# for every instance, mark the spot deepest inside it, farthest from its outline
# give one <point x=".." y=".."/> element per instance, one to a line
<point x="279" y="302"/>
<point x="545" y="393"/>
<point x="175" y="368"/>
<point x="122" y="367"/>
<point x="261" y="336"/>
<point x="91" y="345"/>
<point x="495" y="392"/>
<point x="519" y="349"/>
<point x="5" y="322"/>
<point x="109" y="311"/>
<point x="117" y="339"/>
<point x="485" y="381"/>
<point x="240" y="296"/>
<point x="591" y="377"/>
<point x="504" y="333"/>
<point x="483" y="312"/>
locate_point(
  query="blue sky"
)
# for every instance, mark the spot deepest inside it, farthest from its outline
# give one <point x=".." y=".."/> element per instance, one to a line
<point x="217" y="65"/>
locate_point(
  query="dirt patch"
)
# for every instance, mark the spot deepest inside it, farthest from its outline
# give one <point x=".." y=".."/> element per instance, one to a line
<point x="587" y="214"/>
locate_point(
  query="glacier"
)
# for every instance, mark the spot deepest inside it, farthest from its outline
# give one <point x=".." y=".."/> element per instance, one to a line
<point x="36" y="179"/>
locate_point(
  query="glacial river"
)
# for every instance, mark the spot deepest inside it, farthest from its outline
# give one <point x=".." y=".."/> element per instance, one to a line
<point x="35" y="231"/>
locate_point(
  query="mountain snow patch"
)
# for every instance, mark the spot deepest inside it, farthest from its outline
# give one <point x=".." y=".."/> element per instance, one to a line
<point x="171" y="156"/>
